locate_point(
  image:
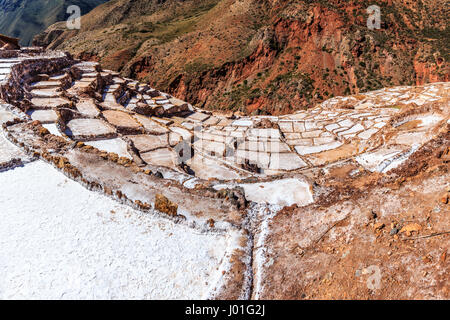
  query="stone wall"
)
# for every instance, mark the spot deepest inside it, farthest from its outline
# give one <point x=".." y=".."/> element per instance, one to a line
<point x="24" y="73"/>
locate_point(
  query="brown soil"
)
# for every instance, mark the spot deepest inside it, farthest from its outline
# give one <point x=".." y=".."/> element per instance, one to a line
<point x="397" y="225"/>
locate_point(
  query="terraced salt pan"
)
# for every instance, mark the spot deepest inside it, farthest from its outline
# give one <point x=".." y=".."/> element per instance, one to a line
<point x="429" y="120"/>
<point x="49" y="102"/>
<point x="117" y="146"/>
<point x="5" y="115"/>
<point x="8" y="151"/>
<point x="45" y="84"/>
<point x="385" y="159"/>
<point x="88" y="108"/>
<point x="146" y="143"/>
<point x="5" y="70"/>
<point x="397" y="160"/>
<point x="45" y="93"/>
<point x="160" y="157"/>
<point x="368" y="133"/>
<point x="372" y="160"/>
<point x="305" y="150"/>
<point x="86" y="127"/>
<point x="410" y="138"/>
<point x="120" y="119"/>
<point x="284" y="192"/>
<point x="7" y="64"/>
<point x="44" y="116"/>
<point x="242" y="122"/>
<point x="78" y="244"/>
<point x="286" y="161"/>
<point x="206" y="168"/>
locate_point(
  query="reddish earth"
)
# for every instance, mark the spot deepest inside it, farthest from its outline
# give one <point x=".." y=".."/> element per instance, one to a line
<point x="264" y="57"/>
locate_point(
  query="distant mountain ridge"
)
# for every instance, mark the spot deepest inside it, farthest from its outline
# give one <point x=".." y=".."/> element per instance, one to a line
<point x="25" y="18"/>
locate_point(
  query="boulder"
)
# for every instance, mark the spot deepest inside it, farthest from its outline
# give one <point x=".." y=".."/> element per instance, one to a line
<point x="162" y="204"/>
<point x="143" y="108"/>
<point x="8" y="43"/>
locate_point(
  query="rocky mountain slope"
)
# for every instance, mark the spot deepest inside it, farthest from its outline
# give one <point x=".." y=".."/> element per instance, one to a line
<point x="26" y="18"/>
<point x="346" y="200"/>
<point x="263" y="56"/>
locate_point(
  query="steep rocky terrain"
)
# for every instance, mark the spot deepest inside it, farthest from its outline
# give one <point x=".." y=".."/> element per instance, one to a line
<point x="263" y="57"/>
<point x="26" y="18"/>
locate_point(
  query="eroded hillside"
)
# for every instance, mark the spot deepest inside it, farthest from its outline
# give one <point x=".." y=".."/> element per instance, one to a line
<point x="263" y="57"/>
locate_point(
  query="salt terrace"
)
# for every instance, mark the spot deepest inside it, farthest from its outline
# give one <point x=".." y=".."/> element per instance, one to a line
<point x="207" y="172"/>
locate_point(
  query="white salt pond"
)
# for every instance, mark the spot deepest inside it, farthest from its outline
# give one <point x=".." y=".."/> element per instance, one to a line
<point x="283" y="192"/>
<point x="53" y="129"/>
<point x="385" y="159"/>
<point x="116" y="145"/>
<point x="8" y="151"/>
<point x="60" y="241"/>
